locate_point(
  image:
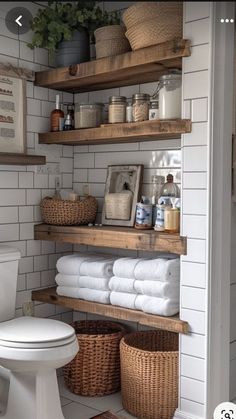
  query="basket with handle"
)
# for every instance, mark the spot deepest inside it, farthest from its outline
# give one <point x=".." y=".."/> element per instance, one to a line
<point x="95" y="371"/>
<point x="149" y="373"/>
<point x="65" y="212"/>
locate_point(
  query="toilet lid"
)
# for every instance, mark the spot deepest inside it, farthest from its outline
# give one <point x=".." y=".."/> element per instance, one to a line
<point x="33" y="331"/>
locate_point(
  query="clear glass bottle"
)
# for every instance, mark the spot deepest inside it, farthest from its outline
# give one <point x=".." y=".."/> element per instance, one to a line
<point x="157" y="182"/>
<point x="170" y="189"/>
<point x="117" y="109"/>
<point x="140" y="107"/>
<point x="55" y="116"/>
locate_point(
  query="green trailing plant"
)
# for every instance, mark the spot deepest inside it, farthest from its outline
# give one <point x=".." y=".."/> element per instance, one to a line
<point x="58" y="21"/>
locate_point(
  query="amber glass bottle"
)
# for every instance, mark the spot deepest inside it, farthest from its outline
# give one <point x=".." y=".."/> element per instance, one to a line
<point x="56" y="114"/>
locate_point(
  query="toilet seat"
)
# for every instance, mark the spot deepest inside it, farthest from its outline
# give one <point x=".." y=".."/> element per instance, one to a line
<point x="35" y="333"/>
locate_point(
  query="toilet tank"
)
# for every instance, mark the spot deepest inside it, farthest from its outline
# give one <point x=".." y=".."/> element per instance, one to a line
<point x="9" y="260"/>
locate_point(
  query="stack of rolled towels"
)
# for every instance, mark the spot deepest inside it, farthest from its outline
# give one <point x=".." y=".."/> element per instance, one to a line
<point x="149" y="285"/>
<point x="85" y="276"/>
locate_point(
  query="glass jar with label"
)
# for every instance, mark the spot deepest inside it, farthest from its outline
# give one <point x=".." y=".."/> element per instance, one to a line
<point x="154" y="110"/>
<point x="169" y="91"/>
<point x="172" y="220"/>
<point x="140" y="107"/>
<point x="117" y="109"/>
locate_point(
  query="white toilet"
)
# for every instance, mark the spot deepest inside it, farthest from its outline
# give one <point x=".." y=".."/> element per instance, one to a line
<point x="31" y="349"/>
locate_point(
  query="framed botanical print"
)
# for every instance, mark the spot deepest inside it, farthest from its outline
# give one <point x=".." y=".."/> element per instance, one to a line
<point x="12" y="113"/>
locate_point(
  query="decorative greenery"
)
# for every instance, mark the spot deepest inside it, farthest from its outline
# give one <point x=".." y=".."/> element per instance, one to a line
<point x="59" y="21"/>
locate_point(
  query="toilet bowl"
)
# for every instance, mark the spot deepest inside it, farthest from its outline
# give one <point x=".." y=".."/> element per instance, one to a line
<point x="31" y="349"/>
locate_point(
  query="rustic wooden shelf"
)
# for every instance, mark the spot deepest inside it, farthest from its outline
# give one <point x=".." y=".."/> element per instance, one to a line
<point x="116" y="237"/>
<point x="135" y="67"/>
<point x="120" y="133"/>
<point x="21" y="159"/>
<point x="173" y="324"/>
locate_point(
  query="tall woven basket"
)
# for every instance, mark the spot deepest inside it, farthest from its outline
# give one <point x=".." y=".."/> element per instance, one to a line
<point x="95" y="371"/>
<point x="149" y="374"/>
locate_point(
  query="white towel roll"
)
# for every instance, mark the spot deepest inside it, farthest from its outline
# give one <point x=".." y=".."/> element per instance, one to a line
<point x="98" y="296"/>
<point x="123" y="299"/>
<point x="161" y="289"/>
<point x="94" y="283"/>
<point x="122" y="284"/>
<point x="102" y="267"/>
<point x="68" y="292"/>
<point x="124" y="267"/>
<point x="67" y="280"/>
<point x="70" y="264"/>
<point x="158" y="306"/>
<point x="158" y="269"/>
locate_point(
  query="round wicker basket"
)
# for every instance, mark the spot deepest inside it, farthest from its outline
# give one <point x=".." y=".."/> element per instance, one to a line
<point x="95" y="371"/>
<point x="64" y="212"/>
<point x="111" y="47"/>
<point x="149" y="373"/>
<point x="140" y="12"/>
<point x="154" y="31"/>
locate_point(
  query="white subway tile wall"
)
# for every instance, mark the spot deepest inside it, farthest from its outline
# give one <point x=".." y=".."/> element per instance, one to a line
<point x="21" y="187"/>
<point x="194" y="274"/>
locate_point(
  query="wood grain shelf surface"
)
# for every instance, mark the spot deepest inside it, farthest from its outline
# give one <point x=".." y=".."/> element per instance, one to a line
<point x="21" y="159"/>
<point x="120" y="133"/>
<point x="141" y="66"/>
<point x="115" y="237"/>
<point x="173" y="324"/>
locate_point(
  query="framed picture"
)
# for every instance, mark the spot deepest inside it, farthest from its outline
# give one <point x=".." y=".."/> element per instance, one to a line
<point x="122" y="192"/>
<point x="12" y="112"/>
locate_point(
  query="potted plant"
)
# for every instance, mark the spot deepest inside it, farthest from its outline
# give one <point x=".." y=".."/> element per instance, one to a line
<point x="65" y="29"/>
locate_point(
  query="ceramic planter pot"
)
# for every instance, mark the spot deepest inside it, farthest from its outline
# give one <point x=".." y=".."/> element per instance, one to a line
<point x="75" y="51"/>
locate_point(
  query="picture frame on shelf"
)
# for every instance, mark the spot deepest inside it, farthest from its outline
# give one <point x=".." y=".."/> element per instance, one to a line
<point x="122" y="192"/>
<point x="12" y="110"/>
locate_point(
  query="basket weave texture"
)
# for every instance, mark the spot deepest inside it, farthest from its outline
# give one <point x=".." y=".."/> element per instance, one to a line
<point x="64" y="212"/>
<point x="149" y="374"/>
<point x="111" y="40"/>
<point x="95" y="371"/>
<point x="153" y="23"/>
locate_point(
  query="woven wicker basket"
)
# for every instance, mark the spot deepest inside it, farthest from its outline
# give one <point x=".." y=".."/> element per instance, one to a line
<point x="111" y="47"/>
<point x="95" y="371"/>
<point x="109" y="32"/>
<point x="65" y="212"/>
<point x="140" y="12"/>
<point x="149" y="374"/>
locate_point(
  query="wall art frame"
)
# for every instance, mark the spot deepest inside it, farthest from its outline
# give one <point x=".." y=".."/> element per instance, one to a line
<point x="122" y="192"/>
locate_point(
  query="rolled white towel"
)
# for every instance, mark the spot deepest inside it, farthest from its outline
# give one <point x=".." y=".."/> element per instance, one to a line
<point x="70" y="264"/>
<point x="155" y="305"/>
<point x="67" y="280"/>
<point x="98" y="296"/>
<point x="122" y="284"/>
<point x="123" y="299"/>
<point x="158" y="269"/>
<point x="68" y="292"/>
<point x="94" y="283"/>
<point x="124" y="267"/>
<point x="161" y="289"/>
<point x="102" y="267"/>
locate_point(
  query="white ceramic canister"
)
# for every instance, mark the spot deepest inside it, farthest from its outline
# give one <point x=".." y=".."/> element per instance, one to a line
<point x="143" y="216"/>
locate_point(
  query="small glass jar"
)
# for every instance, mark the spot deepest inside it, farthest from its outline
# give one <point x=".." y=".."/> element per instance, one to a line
<point x="154" y="110"/>
<point x="117" y="109"/>
<point x="129" y="112"/>
<point x="170" y="86"/>
<point x="88" y="116"/>
<point x="140" y="107"/>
